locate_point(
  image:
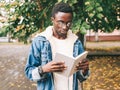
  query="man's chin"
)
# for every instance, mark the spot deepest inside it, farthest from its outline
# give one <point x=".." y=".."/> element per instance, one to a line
<point x="64" y="33"/>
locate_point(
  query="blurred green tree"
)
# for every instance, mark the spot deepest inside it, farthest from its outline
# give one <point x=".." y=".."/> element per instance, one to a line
<point x="102" y="15"/>
<point x="32" y="16"/>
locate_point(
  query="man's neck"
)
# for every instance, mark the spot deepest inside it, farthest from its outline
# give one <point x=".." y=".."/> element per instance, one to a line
<point x="59" y="37"/>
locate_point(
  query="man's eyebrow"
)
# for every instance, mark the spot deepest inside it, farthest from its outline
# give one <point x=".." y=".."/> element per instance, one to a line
<point x="60" y="21"/>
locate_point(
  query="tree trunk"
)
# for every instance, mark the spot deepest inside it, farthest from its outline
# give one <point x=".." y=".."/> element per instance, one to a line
<point x="82" y="38"/>
<point x="9" y="37"/>
<point x="96" y="37"/>
<point x="84" y="41"/>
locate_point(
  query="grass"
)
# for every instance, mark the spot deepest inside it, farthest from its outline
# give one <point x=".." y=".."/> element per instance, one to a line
<point x="105" y="70"/>
<point x="105" y="73"/>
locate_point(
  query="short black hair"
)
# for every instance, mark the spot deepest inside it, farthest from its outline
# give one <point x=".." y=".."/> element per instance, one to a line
<point x="61" y="7"/>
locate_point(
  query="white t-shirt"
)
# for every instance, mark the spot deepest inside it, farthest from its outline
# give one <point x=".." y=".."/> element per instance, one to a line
<point x="64" y="46"/>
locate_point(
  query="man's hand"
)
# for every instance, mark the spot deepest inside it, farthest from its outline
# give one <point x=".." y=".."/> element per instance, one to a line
<point x="54" y="67"/>
<point x="83" y="65"/>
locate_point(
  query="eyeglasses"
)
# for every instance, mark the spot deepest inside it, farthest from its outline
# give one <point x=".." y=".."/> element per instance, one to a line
<point x="61" y="24"/>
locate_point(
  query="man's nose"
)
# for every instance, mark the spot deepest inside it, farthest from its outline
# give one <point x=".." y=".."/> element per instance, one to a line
<point x="65" y="27"/>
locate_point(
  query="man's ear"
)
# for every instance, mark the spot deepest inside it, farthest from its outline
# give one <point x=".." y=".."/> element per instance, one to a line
<point x="52" y="19"/>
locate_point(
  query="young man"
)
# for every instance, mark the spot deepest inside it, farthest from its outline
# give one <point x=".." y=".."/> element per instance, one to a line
<point x="41" y="66"/>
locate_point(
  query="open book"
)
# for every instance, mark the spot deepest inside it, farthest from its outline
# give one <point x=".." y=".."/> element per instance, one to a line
<point x="70" y="62"/>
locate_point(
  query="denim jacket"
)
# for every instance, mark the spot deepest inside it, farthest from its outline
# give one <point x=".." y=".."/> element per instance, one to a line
<point x="39" y="55"/>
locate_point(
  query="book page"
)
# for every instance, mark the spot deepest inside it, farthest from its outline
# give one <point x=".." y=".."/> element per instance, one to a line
<point x="70" y="62"/>
<point x="77" y="60"/>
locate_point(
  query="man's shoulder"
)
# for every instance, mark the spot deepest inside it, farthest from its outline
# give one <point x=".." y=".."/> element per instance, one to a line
<point x="39" y="38"/>
<point x="78" y="41"/>
<point x="45" y="35"/>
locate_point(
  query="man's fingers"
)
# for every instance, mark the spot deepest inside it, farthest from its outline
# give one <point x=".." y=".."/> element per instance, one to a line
<point x="58" y="63"/>
<point x="83" y="65"/>
<point x="56" y="68"/>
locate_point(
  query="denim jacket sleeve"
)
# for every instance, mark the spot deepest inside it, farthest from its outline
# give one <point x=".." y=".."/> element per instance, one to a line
<point x="78" y="49"/>
<point x="34" y="59"/>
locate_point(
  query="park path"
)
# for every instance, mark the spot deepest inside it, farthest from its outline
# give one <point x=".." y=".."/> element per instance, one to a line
<point x="12" y="63"/>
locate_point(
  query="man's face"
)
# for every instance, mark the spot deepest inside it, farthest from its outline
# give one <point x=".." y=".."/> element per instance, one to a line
<point x="61" y="24"/>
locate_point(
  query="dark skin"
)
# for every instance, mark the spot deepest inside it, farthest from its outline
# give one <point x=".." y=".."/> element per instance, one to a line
<point x="60" y="32"/>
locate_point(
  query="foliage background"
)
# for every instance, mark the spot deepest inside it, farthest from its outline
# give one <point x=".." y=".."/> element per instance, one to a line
<point x="31" y="16"/>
